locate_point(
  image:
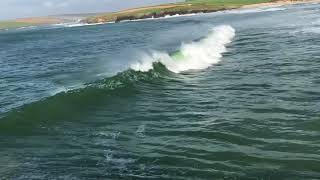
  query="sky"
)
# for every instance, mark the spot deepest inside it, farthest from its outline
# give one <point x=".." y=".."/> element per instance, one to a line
<point x="11" y="9"/>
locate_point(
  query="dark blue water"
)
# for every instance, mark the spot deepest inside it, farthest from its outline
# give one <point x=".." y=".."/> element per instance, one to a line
<point x="228" y="95"/>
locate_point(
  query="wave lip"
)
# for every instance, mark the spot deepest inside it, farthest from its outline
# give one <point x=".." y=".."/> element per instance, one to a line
<point x="191" y="56"/>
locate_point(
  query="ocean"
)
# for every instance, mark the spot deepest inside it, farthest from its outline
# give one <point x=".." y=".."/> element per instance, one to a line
<point x="226" y="95"/>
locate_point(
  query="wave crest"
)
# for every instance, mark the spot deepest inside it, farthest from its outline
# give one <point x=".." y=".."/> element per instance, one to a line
<point x="195" y="55"/>
<point x="154" y="68"/>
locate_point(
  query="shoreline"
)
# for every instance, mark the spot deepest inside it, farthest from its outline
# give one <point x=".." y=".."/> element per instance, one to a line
<point x="279" y="3"/>
<point x="186" y="9"/>
<point x="145" y="13"/>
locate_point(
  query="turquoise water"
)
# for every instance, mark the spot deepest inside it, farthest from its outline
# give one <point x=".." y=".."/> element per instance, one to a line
<point x="115" y="101"/>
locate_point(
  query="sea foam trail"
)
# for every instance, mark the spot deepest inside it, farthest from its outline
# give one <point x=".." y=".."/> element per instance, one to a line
<point x="195" y="55"/>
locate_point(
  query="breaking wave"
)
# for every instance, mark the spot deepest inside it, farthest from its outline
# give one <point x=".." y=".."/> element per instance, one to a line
<point x="256" y="10"/>
<point x="156" y="67"/>
<point x="77" y="24"/>
<point x="195" y="55"/>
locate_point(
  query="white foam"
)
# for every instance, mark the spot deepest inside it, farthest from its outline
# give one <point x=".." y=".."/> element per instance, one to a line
<point x="164" y="17"/>
<point x="256" y="10"/>
<point x="83" y="24"/>
<point x="58" y="90"/>
<point x="78" y="24"/>
<point x="26" y="27"/>
<point x="180" y="15"/>
<point x="196" y="55"/>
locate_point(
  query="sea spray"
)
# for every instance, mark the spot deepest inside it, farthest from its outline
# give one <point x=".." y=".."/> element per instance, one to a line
<point x="195" y="55"/>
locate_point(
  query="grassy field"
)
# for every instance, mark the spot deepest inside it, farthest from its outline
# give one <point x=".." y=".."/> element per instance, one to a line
<point x="189" y="6"/>
<point x="228" y="2"/>
<point x="26" y="22"/>
<point x="13" y="24"/>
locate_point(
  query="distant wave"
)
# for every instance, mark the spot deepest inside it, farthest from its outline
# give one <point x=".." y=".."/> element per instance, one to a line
<point x="52" y="26"/>
<point x="196" y="55"/>
<point x="77" y="24"/>
<point x="20" y="28"/>
<point x="256" y="10"/>
<point x="27" y="27"/>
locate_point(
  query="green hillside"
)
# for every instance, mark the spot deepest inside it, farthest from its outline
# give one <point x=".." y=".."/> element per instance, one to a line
<point x="12" y="24"/>
<point x="189" y="6"/>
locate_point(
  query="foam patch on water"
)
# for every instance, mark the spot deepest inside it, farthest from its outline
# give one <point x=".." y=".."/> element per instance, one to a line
<point x="195" y="55"/>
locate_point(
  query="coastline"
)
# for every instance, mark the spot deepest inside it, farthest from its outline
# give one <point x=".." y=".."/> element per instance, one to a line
<point x="29" y="22"/>
<point x="167" y="10"/>
<point x="144" y="13"/>
<point x="279" y="3"/>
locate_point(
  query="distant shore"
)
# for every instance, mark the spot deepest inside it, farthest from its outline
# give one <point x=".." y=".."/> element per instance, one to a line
<point x="188" y="7"/>
<point x="184" y="8"/>
<point x="279" y="3"/>
<point x="27" y="22"/>
<point x="48" y="20"/>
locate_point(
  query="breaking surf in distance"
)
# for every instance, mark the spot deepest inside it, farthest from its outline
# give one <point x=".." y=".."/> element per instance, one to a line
<point x="256" y="10"/>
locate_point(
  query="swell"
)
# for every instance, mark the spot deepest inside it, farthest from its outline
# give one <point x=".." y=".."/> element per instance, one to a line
<point x="71" y="104"/>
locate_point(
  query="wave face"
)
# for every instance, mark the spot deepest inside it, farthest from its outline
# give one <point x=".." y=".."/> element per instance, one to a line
<point x="195" y="55"/>
<point x="192" y="56"/>
<point x="57" y="107"/>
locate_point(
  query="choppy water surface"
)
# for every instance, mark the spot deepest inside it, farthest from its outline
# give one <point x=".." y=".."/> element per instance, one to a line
<point x="231" y="95"/>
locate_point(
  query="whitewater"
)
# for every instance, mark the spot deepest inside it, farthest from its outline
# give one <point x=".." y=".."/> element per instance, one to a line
<point x="195" y="55"/>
